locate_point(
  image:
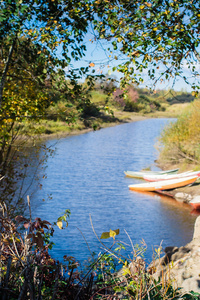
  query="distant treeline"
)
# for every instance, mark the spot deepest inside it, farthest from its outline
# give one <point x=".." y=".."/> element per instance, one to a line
<point x="182" y="98"/>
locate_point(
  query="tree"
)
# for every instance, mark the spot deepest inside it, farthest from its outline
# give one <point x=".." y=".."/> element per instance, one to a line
<point x="156" y="37"/>
<point x="34" y="30"/>
<point x="38" y="41"/>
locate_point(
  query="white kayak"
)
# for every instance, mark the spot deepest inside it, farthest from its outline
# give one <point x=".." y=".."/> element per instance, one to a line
<point x="141" y="174"/>
<point x="155" y="177"/>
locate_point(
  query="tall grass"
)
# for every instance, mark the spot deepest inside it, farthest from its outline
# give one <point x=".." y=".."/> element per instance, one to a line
<point x="181" y="139"/>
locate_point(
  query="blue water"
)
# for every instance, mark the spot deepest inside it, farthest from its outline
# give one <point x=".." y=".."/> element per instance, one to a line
<point x="86" y="175"/>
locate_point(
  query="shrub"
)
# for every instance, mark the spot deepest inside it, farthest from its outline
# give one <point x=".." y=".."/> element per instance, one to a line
<point x="131" y="106"/>
<point x="89" y="109"/>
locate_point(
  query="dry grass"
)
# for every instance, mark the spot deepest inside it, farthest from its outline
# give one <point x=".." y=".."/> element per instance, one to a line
<point x="181" y="139"/>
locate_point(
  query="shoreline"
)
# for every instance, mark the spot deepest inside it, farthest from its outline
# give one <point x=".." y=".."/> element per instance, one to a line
<point x="63" y="134"/>
<point x="183" y="194"/>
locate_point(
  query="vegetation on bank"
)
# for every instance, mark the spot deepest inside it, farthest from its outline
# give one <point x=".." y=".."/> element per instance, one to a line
<point x="180" y="140"/>
<point x="106" y="108"/>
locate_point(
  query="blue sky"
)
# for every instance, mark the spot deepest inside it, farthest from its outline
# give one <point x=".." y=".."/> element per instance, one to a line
<point x="103" y="64"/>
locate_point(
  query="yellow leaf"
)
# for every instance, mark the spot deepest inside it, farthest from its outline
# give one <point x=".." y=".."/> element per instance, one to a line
<point x="9" y="120"/>
<point x="119" y="39"/>
<point x="105" y="235"/>
<point x="126" y="270"/>
<point x="155" y="28"/>
<point x="112" y="233"/>
<point x="59" y="224"/>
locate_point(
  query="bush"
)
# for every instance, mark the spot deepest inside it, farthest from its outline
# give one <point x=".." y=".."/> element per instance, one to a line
<point x="90" y="110"/>
<point x="143" y="104"/>
<point x="131" y="106"/>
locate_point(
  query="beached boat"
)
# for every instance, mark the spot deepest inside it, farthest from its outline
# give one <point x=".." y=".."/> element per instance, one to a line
<point x="155" y="177"/>
<point x="141" y="174"/>
<point x="195" y="202"/>
<point x="163" y="185"/>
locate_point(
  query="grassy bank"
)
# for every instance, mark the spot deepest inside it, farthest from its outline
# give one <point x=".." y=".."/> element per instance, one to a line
<point x="100" y="110"/>
<point x="181" y="139"/>
<point x="106" y="119"/>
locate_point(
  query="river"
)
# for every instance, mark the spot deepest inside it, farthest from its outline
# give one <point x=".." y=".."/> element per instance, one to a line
<point x="86" y="175"/>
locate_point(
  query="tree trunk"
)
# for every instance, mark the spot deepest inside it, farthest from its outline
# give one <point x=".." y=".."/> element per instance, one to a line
<point x="5" y="71"/>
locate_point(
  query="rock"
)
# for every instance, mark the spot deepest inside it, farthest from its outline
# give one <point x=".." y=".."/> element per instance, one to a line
<point x="169" y="253"/>
<point x="196" y="235"/>
<point x="181" y="265"/>
<point x="183" y="197"/>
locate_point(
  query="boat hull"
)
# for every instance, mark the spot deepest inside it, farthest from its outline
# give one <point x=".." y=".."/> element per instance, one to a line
<point x="196" y="206"/>
<point x="152" y="178"/>
<point x="163" y="185"/>
<point x="195" y="202"/>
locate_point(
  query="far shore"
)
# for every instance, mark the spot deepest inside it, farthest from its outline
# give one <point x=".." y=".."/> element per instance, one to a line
<point x="121" y="118"/>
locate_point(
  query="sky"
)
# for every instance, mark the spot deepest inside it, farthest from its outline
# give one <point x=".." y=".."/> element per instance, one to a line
<point x="97" y="55"/>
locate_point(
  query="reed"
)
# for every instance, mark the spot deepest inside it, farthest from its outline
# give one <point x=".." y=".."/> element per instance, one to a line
<point x="180" y="140"/>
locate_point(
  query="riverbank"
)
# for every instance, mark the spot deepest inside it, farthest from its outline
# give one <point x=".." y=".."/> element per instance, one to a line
<point x="119" y="117"/>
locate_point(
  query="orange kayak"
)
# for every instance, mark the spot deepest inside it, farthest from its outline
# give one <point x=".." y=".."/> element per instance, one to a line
<point x="164" y="184"/>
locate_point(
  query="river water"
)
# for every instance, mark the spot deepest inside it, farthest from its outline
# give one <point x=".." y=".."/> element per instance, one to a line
<point x="86" y="175"/>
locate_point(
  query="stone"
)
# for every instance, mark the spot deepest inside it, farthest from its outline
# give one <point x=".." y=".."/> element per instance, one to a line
<point x="183" y="197"/>
<point x="181" y="265"/>
<point x="196" y="235"/>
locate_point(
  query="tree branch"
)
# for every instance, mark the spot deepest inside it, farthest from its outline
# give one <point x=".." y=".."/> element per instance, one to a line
<point x="197" y="55"/>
